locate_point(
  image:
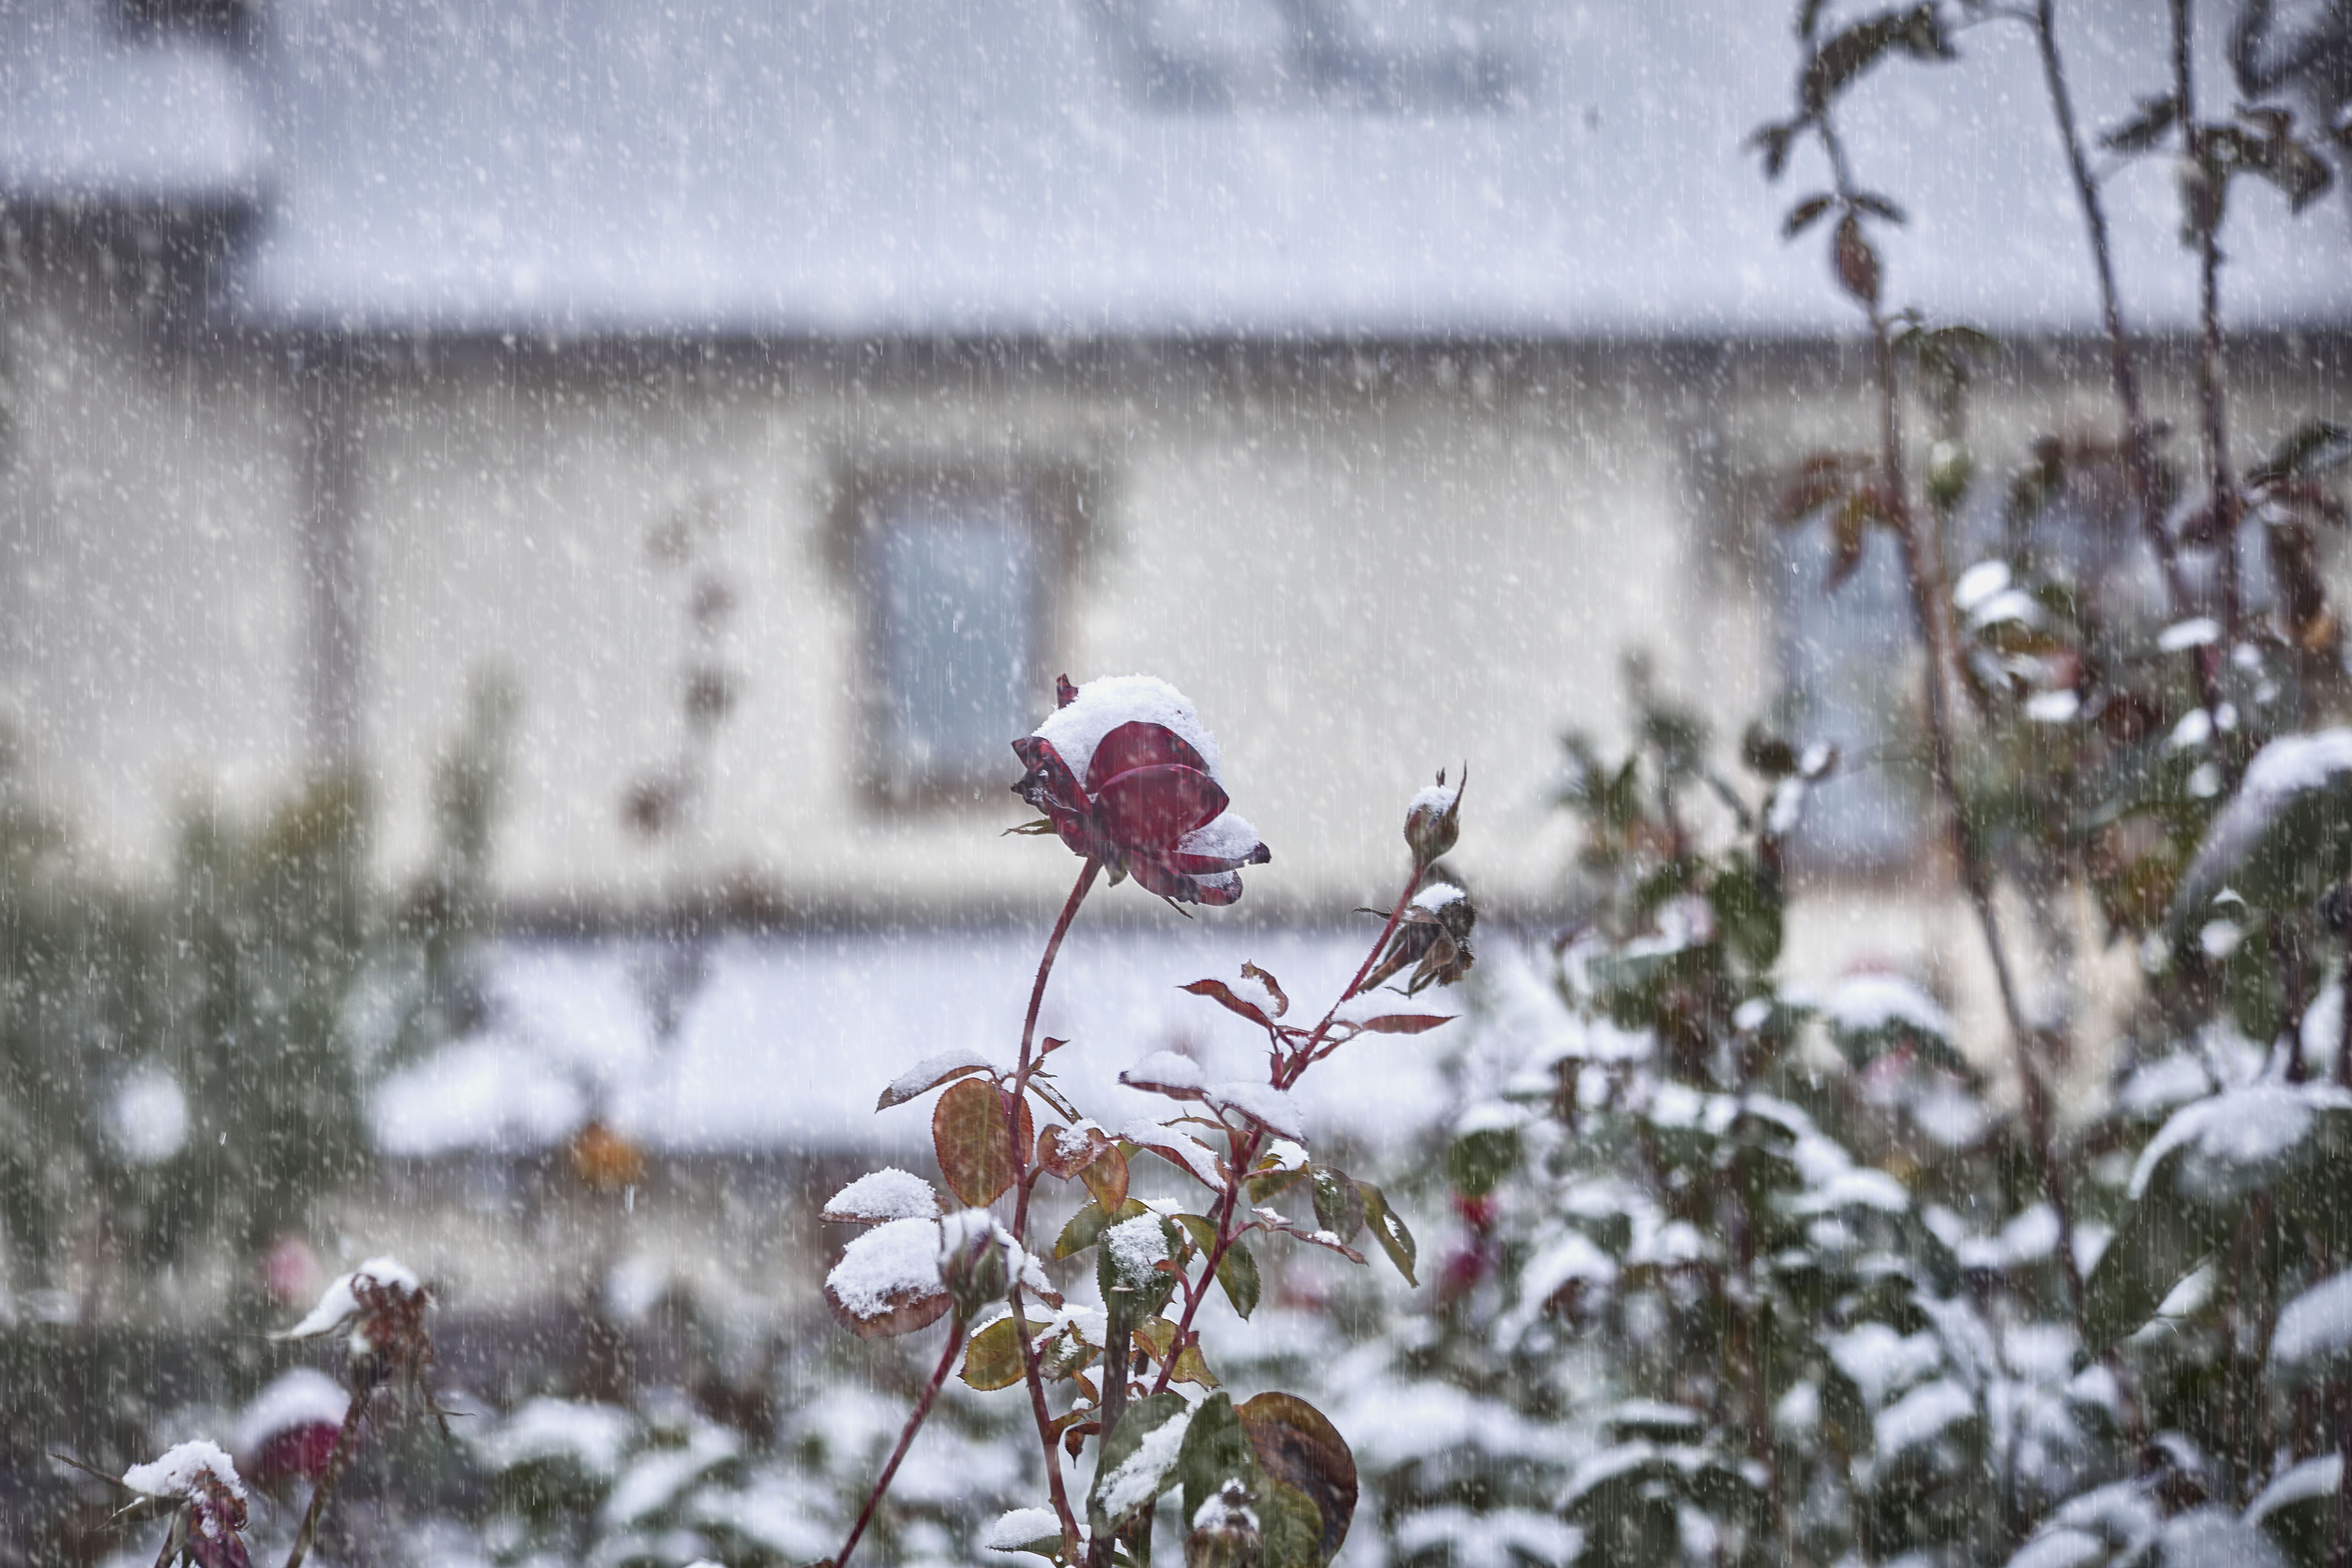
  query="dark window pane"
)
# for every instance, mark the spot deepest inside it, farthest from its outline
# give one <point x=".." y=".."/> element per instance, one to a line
<point x="957" y="594"/>
<point x="1847" y="659"/>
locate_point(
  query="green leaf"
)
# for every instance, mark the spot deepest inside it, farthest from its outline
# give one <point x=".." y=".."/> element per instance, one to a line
<point x="1049" y="1546"/>
<point x="1146" y="1290"/>
<point x="2158" y="1244"/>
<point x="1127" y="1477"/>
<point x="2311" y="1346"/>
<point x="1290" y="1525"/>
<point x="1301" y="1450"/>
<point x="1192" y="1366"/>
<point x="1237" y="1272"/>
<point x="992" y="1359"/>
<point x="2315" y="448"/>
<point x="1338" y="1206"/>
<point x="1086" y="1226"/>
<point x="1477" y="1161"/>
<point x="1215" y="1451"/>
<point x="1389" y="1230"/>
<point x="1197" y="1226"/>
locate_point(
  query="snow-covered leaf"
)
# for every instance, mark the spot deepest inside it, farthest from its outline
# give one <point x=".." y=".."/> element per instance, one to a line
<point x="927" y="1075"/>
<point x="888" y="1281"/>
<point x="1138" y="1460"/>
<point x="2283" y="839"/>
<point x="880" y="1195"/>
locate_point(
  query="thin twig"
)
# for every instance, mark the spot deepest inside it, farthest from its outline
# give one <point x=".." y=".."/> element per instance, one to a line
<point x="1931" y="608"/>
<point x="2139" y="435"/>
<point x="2205" y="196"/>
<point x="341" y="1452"/>
<point x="905" y="1440"/>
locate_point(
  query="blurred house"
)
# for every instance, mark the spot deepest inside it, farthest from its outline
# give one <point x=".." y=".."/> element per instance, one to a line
<point x="778" y="397"/>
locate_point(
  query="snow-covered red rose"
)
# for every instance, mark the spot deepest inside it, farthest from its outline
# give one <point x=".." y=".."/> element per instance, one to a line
<point x="290" y="1430"/>
<point x="1125" y="773"/>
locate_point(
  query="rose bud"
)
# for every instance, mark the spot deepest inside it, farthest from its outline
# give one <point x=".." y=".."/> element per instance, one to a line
<point x="1224" y="1531"/>
<point x="1126" y="776"/>
<point x="973" y="1262"/>
<point x="1434" y="935"/>
<point x="1433" y="819"/>
<point x="208" y="1522"/>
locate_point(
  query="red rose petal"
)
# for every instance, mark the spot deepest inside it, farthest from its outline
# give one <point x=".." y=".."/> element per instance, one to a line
<point x="1151" y="808"/>
<point x="1138" y="743"/>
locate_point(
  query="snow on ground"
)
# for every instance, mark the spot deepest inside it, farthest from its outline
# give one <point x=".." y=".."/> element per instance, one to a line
<point x="790" y="1039"/>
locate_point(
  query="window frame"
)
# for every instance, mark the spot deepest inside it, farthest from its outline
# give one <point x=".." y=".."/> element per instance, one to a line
<point x="1056" y="500"/>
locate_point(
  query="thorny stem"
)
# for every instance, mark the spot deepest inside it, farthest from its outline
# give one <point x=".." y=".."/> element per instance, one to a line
<point x="2204" y="219"/>
<point x="336" y="1458"/>
<point x="2139" y="440"/>
<point x="1243" y="1151"/>
<point x="1924" y="569"/>
<point x="1030" y="1367"/>
<point x="905" y="1440"/>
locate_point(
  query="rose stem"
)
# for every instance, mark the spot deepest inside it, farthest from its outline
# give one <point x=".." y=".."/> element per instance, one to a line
<point x="341" y="1452"/>
<point x="1020" y="1187"/>
<point x="905" y="1440"/>
<point x="1229" y="1202"/>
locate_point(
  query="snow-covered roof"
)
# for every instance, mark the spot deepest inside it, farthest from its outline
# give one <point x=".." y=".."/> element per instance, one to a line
<point x="1153" y="168"/>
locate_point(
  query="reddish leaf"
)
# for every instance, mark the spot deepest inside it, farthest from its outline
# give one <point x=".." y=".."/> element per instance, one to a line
<point x="927" y="1076"/>
<point x="1106" y="1177"/>
<point x="1298" y="1446"/>
<point x="908" y="1310"/>
<point x="1281" y="999"/>
<point x="1220" y="992"/>
<point x="1857" y="261"/>
<point x="1186" y="1153"/>
<point x="968" y="1135"/>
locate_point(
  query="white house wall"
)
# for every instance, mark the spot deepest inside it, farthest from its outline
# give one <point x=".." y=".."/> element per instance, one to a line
<point x="1362" y="567"/>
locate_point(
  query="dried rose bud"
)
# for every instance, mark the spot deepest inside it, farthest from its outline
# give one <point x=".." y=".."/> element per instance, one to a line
<point x="1224" y="1531"/>
<point x="1434" y="936"/>
<point x="1433" y="819"/>
<point x="973" y="1262"/>
<point x="383" y="1306"/>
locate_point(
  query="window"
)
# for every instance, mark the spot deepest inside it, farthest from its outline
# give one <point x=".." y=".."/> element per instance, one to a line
<point x="1850" y="678"/>
<point x="956" y="576"/>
